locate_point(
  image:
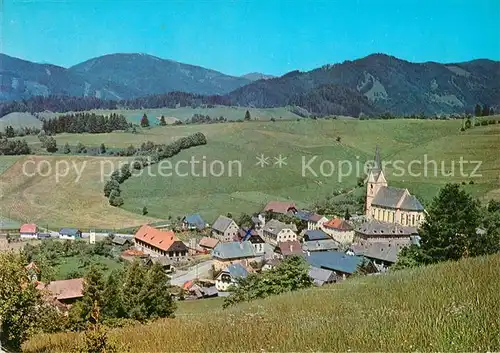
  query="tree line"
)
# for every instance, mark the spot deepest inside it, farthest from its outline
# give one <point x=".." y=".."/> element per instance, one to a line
<point x="14" y="147"/>
<point x="85" y="122"/>
<point x="484" y="110"/>
<point x="137" y="294"/>
<point x="148" y="155"/>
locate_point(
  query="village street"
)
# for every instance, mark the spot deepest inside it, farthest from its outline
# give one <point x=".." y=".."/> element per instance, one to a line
<point x="197" y="271"/>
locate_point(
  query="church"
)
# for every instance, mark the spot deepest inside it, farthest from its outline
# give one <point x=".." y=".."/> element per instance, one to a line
<point x="389" y="204"/>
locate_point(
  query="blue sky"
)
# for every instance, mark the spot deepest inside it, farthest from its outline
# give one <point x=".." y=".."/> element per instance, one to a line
<point x="241" y="36"/>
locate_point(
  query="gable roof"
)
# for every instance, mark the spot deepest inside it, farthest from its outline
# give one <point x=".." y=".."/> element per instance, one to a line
<point x="28" y="228"/>
<point x="254" y="238"/>
<point x="195" y="220"/>
<point x="374" y="228"/>
<point x="222" y="223"/>
<point x="208" y="242"/>
<point x="335" y="261"/>
<point x="320" y="245"/>
<point x="338" y="224"/>
<point x="234" y="250"/>
<point x="119" y="240"/>
<point x="320" y="274"/>
<point x="159" y="239"/>
<point x="236" y="271"/>
<point x="291" y="247"/>
<point x="72" y="232"/>
<point x="380" y="250"/>
<point x="279" y="206"/>
<point x="161" y="260"/>
<point x="391" y="197"/>
<point x="316" y="235"/>
<point x="66" y="289"/>
<point x="274" y="226"/>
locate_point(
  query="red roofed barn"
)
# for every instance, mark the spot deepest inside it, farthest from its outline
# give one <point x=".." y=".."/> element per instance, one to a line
<point x="280" y="207"/>
<point x="29" y="231"/>
<point x="157" y="242"/>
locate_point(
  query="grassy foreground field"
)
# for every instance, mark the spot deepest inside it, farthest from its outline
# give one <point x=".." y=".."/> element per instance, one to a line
<point x="250" y="186"/>
<point x="450" y="307"/>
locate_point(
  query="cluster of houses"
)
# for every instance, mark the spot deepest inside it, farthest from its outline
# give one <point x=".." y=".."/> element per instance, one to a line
<point x="334" y="248"/>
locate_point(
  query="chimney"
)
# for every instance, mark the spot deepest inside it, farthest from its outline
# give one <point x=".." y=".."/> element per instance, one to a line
<point x="308" y="253"/>
<point x="291" y="248"/>
<point x="241" y="245"/>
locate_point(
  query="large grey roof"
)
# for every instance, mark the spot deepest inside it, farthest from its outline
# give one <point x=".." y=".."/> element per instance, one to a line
<point x="335" y="261"/>
<point x="411" y="203"/>
<point x="380" y="250"/>
<point x="388" y="196"/>
<point x="237" y="271"/>
<point x="374" y="228"/>
<point x="320" y="245"/>
<point x="274" y="226"/>
<point x="222" y="223"/>
<point x="234" y="250"/>
<point x="320" y="274"/>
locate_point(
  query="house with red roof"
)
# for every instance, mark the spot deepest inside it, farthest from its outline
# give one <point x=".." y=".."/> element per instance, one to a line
<point x="65" y="292"/>
<point x="29" y="231"/>
<point x="280" y="207"/>
<point x="339" y="229"/>
<point x="155" y="242"/>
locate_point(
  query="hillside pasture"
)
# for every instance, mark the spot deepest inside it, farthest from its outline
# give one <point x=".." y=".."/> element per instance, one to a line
<point x="450" y="307"/>
<point x="236" y="146"/>
<point x="18" y="120"/>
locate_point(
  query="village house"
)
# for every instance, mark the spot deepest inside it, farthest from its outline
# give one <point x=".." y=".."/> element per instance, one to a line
<point x="163" y="261"/>
<point x="65" y="292"/>
<point x="275" y="232"/>
<point x="29" y="231"/>
<point x="226" y="254"/>
<point x="156" y="242"/>
<point x="224" y="229"/>
<point x="254" y="238"/>
<point x="286" y="208"/>
<point x="320" y="245"/>
<point x="311" y="235"/>
<point x="270" y="264"/>
<point x="339" y="229"/>
<point x="383" y="253"/>
<point x="313" y="220"/>
<point x="70" y="233"/>
<point x="342" y="264"/>
<point x="208" y="244"/>
<point x="193" y="222"/>
<point x="228" y="277"/>
<point x="321" y="276"/>
<point x="376" y="230"/>
<point x="120" y="241"/>
<point x="389" y="204"/>
<point x="288" y="248"/>
<point x="259" y="222"/>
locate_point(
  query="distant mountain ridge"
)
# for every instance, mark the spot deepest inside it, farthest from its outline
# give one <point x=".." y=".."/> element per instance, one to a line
<point x="114" y="76"/>
<point x="388" y="84"/>
<point x="371" y="85"/>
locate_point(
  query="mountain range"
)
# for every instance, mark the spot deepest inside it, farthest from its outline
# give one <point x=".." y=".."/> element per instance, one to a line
<point x="371" y="85"/>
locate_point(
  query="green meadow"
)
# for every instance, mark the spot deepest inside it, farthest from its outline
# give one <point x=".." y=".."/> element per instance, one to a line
<point x="235" y="184"/>
<point x="450" y="307"/>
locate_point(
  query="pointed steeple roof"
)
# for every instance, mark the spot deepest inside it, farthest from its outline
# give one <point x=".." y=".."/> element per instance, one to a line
<point x="378" y="164"/>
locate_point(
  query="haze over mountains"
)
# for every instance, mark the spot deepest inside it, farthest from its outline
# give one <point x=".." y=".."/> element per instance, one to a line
<point x="371" y="85"/>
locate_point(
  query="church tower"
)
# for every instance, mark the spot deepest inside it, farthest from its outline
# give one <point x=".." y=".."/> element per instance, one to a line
<point x="374" y="182"/>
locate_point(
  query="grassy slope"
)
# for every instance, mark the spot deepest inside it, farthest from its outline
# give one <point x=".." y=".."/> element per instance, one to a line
<point x="164" y="196"/>
<point x="448" y="307"/>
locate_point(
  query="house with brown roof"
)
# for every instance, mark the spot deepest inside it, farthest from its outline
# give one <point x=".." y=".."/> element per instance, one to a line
<point x="339" y="229"/>
<point x="280" y="207"/>
<point x="288" y="248"/>
<point x="29" y="231"/>
<point x="207" y="243"/>
<point x="157" y="242"/>
<point x="389" y="204"/>
<point x="253" y="237"/>
<point x="65" y="292"/>
<point x="376" y="230"/>
<point x="226" y="254"/>
<point x="382" y="252"/>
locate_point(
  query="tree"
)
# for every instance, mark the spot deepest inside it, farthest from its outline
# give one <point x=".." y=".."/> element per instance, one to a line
<point x="80" y="148"/>
<point x="273" y="119"/>
<point x="144" y="121"/>
<point x="229" y="215"/>
<point x="93" y="288"/>
<point x="111" y="185"/>
<point x="162" y="121"/>
<point x="449" y="229"/>
<point x="144" y="211"/>
<point x="133" y="287"/>
<point x="247" y="116"/>
<point x="112" y="297"/>
<point x="347" y="215"/>
<point x="289" y="275"/>
<point x="245" y="220"/>
<point x="155" y="295"/>
<point x="478" y="110"/>
<point x="486" y="110"/>
<point x="20" y="301"/>
<point x="50" y="144"/>
<point x="338" y="139"/>
<point x="66" y="149"/>
<point x="492" y="111"/>
<point x="468" y="123"/>
<point x="102" y="149"/>
<point x="115" y="199"/>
